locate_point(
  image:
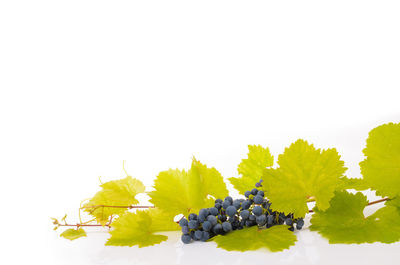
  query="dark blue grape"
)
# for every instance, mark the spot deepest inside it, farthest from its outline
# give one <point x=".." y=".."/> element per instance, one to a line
<point x="204" y="212"/>
<point x="257" y="210"/>
<point x="198" y="234"/>
<point x="213" y="211"/>
<point x="218" y="201"/>
<point x="186" y="239"/>
<point x="212" y="219"/>
<point x="193" y="224"/>
<point x="289" y="221"/>
<point x="254" y="191"/>
<point x="299" y="223"/>
<point x="258" y="199"/>
<point x="252" y="217"/>
<point x="192" y="216"/>
<point x="201" y="218"/>
<point x="261" y="220"/>
<point x="229" y="198"/>
<point x="183" y="222"/>
<point x="250" y="223"/>
<point x="205" y="236"/>
<point x="207" y="226"/>
<point x="247" y="194"/>
<point x="236" y="204"/>
<point x="261" y="193"/>
<point x="245" y="214"/>
<point x="231" y="210"/>
<point x="185" y="230"/>
<point x="218" y="205"/>
<point x="258" y="184"/>
<point x="226" y="204"/>
<point x="217" y="229"/>
<point x="246" y="205"/>
<point x="226" y="226"/>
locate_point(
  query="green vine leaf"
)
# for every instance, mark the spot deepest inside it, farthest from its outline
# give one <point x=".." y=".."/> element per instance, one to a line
<point x="303" y="172"/>
<point x="137" y="229"/>
<point x="381" y="168"/>
<point x="344" y="221"/>
<point x="73" y="234"/>
<point x="276" y="238"/>
<point x="180" y="191"/>
<point x="120" y="192"/>
<point x="251" y="168"/>
<point x="353" y="183"/>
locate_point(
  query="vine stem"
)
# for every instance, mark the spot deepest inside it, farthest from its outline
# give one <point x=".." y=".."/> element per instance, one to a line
<point x="118" y="206"/>
<point x="370" y="203"/>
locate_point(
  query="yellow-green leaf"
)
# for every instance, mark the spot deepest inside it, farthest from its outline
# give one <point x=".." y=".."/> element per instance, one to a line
<point x="120" y="192"/>
<point x="352" y="183"/>
<point x="251" y="168"/>
<point x="381" y="167"/>
<point x="73" y="234"/>
<point x="344" y="221"/>
<point x="303" y="172"/>
<point x="180" y="191"/>
<point x="135" y="229"/>
<point x="276" y="238"/>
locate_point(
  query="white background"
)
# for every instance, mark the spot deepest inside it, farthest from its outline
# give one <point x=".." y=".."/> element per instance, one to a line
<point x="86" y="84"/>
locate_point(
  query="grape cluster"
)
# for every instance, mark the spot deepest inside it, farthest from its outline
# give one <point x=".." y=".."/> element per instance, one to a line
<point x="229" y="214"/>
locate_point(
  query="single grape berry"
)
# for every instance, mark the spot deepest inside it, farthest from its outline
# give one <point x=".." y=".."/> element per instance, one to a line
<point x="198" y="234"/>
<point x="186" y="239"/>
<point x="192" y="216"/>
<point x="205" y="236"/>
<point x="218" y="201"/>
<point x="213" y="211"/>
<point x="193" y="224"/>
<point x="212" y="219"/>
<point x="185" y="230"/>
<point x="246" y="205"/>
<point x="217" y="229"/>
<point x="258" y="199"/>
<point x="254" y="191"/>
<point x="247" y="194"/>
<point x="218" y="205"/>
<point x="226" y="226"/>
<point x="207" y="226"/>
<point x="261" y="193"/>
<point x="237" y="204"/>
<point x="299" y="223"/>
<point x="183" y="222"/>
<point x="249" y="223"/>
<point x="201" y="218"/>
<point x="258" y="184"/>
<point x="252" y="217"/>
<point x="231" y="210"/>
<point x="226" y="204"/>
<point x="261" y="220"/>
<point x="257" y="210"/>
<point x="203" y="212"/>
<point x="289" y="221"/>
<point x="245" y="214"/>
<point x="229" y="198"/>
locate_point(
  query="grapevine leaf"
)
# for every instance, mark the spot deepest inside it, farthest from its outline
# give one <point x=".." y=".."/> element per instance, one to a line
<point x="381" y="168"/>
<point x="73" y="234"/>
<point x="251" y="168"/>
<point x="120" y="192"/>
<point x="344" y="221"/>
<point x="303" y="172"/>
<point x="135" y="229"/>
<point x="276" y="238"/>
<point x="162" y="221"/>
<point x="180" y="191"/>
<point x="352" y="183"/>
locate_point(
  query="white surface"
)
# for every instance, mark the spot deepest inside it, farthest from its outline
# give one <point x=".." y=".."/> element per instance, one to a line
<point x="85" y="84"/>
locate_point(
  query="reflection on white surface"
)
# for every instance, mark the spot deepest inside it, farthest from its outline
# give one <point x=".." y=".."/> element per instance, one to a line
<point x="309" y="249"/>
